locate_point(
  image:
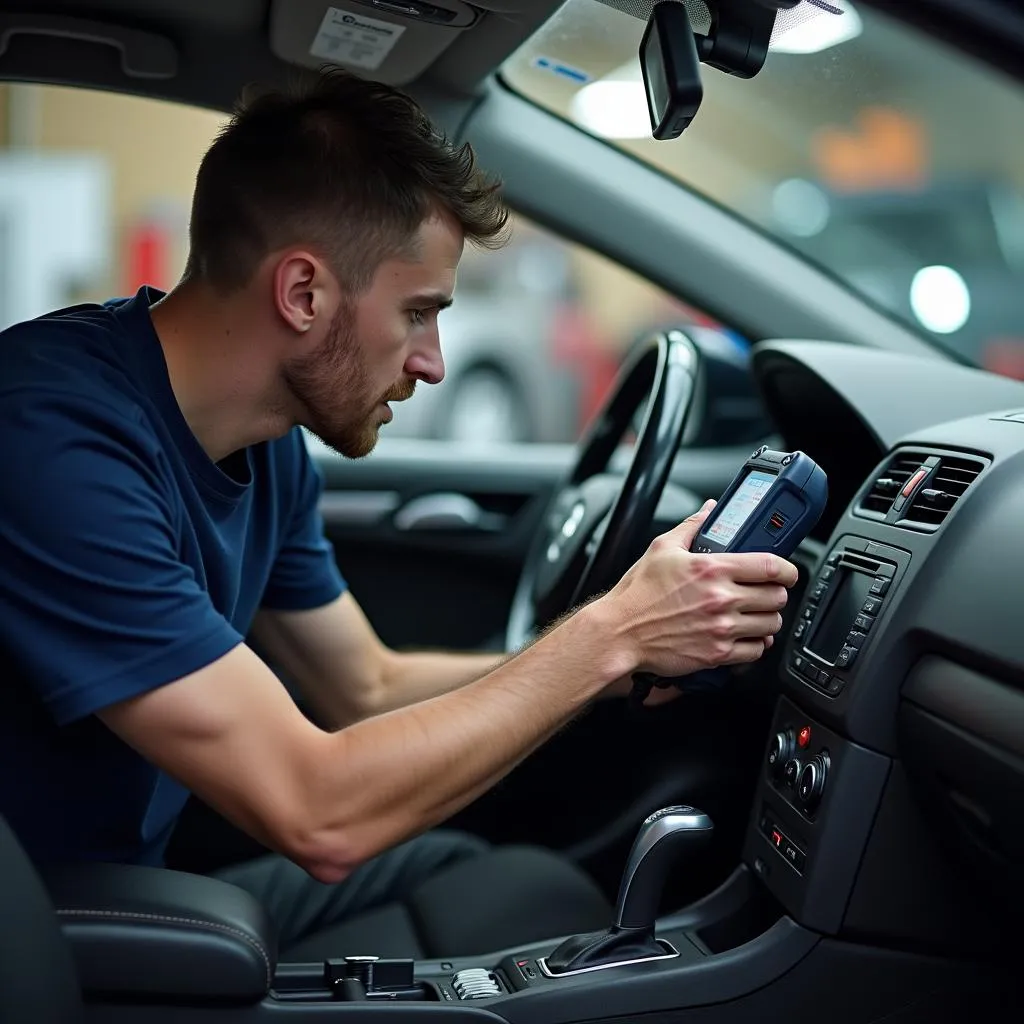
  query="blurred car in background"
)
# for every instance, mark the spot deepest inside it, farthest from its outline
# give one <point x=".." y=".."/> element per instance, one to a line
<point x="504" y="378"/>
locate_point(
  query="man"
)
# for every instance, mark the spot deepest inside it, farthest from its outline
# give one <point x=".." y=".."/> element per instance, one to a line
<point x="159" y="506"/>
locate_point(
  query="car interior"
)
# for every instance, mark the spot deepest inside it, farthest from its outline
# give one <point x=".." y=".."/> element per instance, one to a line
<point x="838" y="825"/>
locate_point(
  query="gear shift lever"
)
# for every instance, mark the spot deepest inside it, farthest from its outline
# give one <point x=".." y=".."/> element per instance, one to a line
<point x="660" y="842"/>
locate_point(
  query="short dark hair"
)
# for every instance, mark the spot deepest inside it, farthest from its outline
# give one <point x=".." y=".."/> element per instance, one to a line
<point x="345" y="165"/>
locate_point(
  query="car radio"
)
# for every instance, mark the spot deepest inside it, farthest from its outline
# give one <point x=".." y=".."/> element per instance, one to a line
<point x="840" y="610"/>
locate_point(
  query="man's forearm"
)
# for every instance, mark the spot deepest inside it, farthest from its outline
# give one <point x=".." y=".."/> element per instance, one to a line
<point x="393" y="775"/>
<point x="409" y="678"/>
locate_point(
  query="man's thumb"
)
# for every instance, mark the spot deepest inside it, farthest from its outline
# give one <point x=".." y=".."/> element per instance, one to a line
<point x="690" y="527"/>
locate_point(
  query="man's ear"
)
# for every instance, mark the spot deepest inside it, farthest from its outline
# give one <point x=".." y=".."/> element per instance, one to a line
<point x="301" y="286"/>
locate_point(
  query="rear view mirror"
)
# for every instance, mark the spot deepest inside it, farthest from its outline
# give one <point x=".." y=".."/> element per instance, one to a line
<point x="670" y="55"/>
<point x="671" y="70"/>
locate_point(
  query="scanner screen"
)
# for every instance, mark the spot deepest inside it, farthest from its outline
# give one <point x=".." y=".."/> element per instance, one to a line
<point x="740" y="506"/>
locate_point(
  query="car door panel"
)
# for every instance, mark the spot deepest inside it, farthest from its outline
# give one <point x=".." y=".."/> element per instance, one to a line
<point x="432" y="536"/>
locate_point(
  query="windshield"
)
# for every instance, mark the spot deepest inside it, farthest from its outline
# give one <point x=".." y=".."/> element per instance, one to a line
<point x="893" y="161"/>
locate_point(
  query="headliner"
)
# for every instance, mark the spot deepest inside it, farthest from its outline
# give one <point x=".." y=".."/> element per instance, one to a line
<point x="213" y="48"/>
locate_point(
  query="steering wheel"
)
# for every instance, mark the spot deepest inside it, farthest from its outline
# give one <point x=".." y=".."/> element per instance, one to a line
<point x="598" y="523"/>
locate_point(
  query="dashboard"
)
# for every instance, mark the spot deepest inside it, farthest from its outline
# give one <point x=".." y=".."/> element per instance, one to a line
<point x="893" y="779"/>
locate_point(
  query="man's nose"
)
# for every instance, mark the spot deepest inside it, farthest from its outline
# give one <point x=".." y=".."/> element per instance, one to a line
<point x="426" y="362"/>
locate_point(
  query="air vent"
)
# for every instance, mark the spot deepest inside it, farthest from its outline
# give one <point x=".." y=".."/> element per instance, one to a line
<point x="942" y="490"/>
<point x="889" y="483"/>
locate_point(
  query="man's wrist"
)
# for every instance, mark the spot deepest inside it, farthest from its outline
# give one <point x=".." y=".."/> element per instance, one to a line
<point x="603" y="627"/>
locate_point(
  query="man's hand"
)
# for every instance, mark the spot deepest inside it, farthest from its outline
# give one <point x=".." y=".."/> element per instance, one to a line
<point x="679" y="612"/>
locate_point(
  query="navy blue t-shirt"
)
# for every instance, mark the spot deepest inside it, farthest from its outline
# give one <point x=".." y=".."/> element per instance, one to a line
<point x="128" y="559"/>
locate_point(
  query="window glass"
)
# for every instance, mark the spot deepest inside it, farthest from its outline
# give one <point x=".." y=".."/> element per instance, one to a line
<point x="534" y="340"/>
<point x="94" y="194"/>
<point x="893" y="160"/>
<point x="95" y="190"/>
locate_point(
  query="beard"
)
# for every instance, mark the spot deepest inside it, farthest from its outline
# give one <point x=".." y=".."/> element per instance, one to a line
<point x="334" y="389"/>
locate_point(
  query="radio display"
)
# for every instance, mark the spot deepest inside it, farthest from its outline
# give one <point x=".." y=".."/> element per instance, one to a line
<point x="851" y="591"/>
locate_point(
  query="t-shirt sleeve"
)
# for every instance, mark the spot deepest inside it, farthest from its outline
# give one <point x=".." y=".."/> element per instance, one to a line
<point x="304" y="574"/>
<point x="96" y="605"/>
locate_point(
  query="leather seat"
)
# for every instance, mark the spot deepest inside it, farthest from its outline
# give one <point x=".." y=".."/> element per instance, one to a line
<point x="509" y="896"/>
<point x="38" y="981"/>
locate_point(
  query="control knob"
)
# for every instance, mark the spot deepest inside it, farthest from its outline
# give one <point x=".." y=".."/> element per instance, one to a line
<point x="780" y="751"/>
<point x="811" y="783"/>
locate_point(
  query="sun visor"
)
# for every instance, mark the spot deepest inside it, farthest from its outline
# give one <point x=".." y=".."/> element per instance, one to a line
<point x="392" y="41"/>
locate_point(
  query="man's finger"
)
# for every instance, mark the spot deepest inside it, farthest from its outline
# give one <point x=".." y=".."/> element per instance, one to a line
<point x="760" y="567"/>
<point x="685" y="532"/>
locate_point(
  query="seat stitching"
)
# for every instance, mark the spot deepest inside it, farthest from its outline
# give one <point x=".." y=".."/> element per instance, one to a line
<point x="211" y="925"/>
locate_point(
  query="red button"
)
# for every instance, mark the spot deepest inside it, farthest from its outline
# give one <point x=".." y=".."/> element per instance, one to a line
<point x="804" y="736"/>
<point x="913" y="482"/>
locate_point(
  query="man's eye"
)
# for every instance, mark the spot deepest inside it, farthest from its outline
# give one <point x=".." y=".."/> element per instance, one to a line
<point x="417" y="316"/>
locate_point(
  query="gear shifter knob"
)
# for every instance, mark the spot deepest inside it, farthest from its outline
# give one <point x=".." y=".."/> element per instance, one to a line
<point x="665" y="837"/>
<point x="662" y="838"/>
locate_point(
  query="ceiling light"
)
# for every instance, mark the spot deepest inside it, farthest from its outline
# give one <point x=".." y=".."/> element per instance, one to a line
<point x="800" y="207"/>
<point x="615" y="106"/>
<point x="613" y="110"/>
<point x="820" y="32"/>
<point x="940" y="299"/>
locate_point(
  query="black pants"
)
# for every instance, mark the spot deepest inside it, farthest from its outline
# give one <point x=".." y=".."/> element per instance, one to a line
<point x="300" y="906"/>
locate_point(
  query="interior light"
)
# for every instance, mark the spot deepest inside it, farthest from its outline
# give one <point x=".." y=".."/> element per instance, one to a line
<point x="824" y="30"/>
<point x="940" y="299"/>
<point x="615" y="106"/>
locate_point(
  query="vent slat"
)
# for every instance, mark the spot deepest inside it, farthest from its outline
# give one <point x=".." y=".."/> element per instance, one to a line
<point x="889" y="483"/>
<point x="948" y="484"/>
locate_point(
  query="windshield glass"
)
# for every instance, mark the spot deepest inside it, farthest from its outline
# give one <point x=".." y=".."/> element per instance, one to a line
<point x="895" y="162"/>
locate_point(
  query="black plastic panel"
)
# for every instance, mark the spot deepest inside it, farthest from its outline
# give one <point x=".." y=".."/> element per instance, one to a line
<point x="832" y="840"/>
<point x="962" y="739"/>
<point x="909" y="893"/>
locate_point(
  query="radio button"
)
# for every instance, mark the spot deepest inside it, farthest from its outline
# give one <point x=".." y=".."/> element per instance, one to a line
<point x="819" y="591"/>
<point x="826" y="574"/>
<point x="800" y="629"/>
<point x="880" y="586"/>
<point x="871" y="605"/>
<point x="794" y="855"/>
<point x="855" y="639"/>
<point x="864" y="622"/>
<point x="846" y="657"/>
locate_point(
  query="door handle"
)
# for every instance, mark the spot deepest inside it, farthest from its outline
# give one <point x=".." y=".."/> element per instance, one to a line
<point x="448" y="511"/>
